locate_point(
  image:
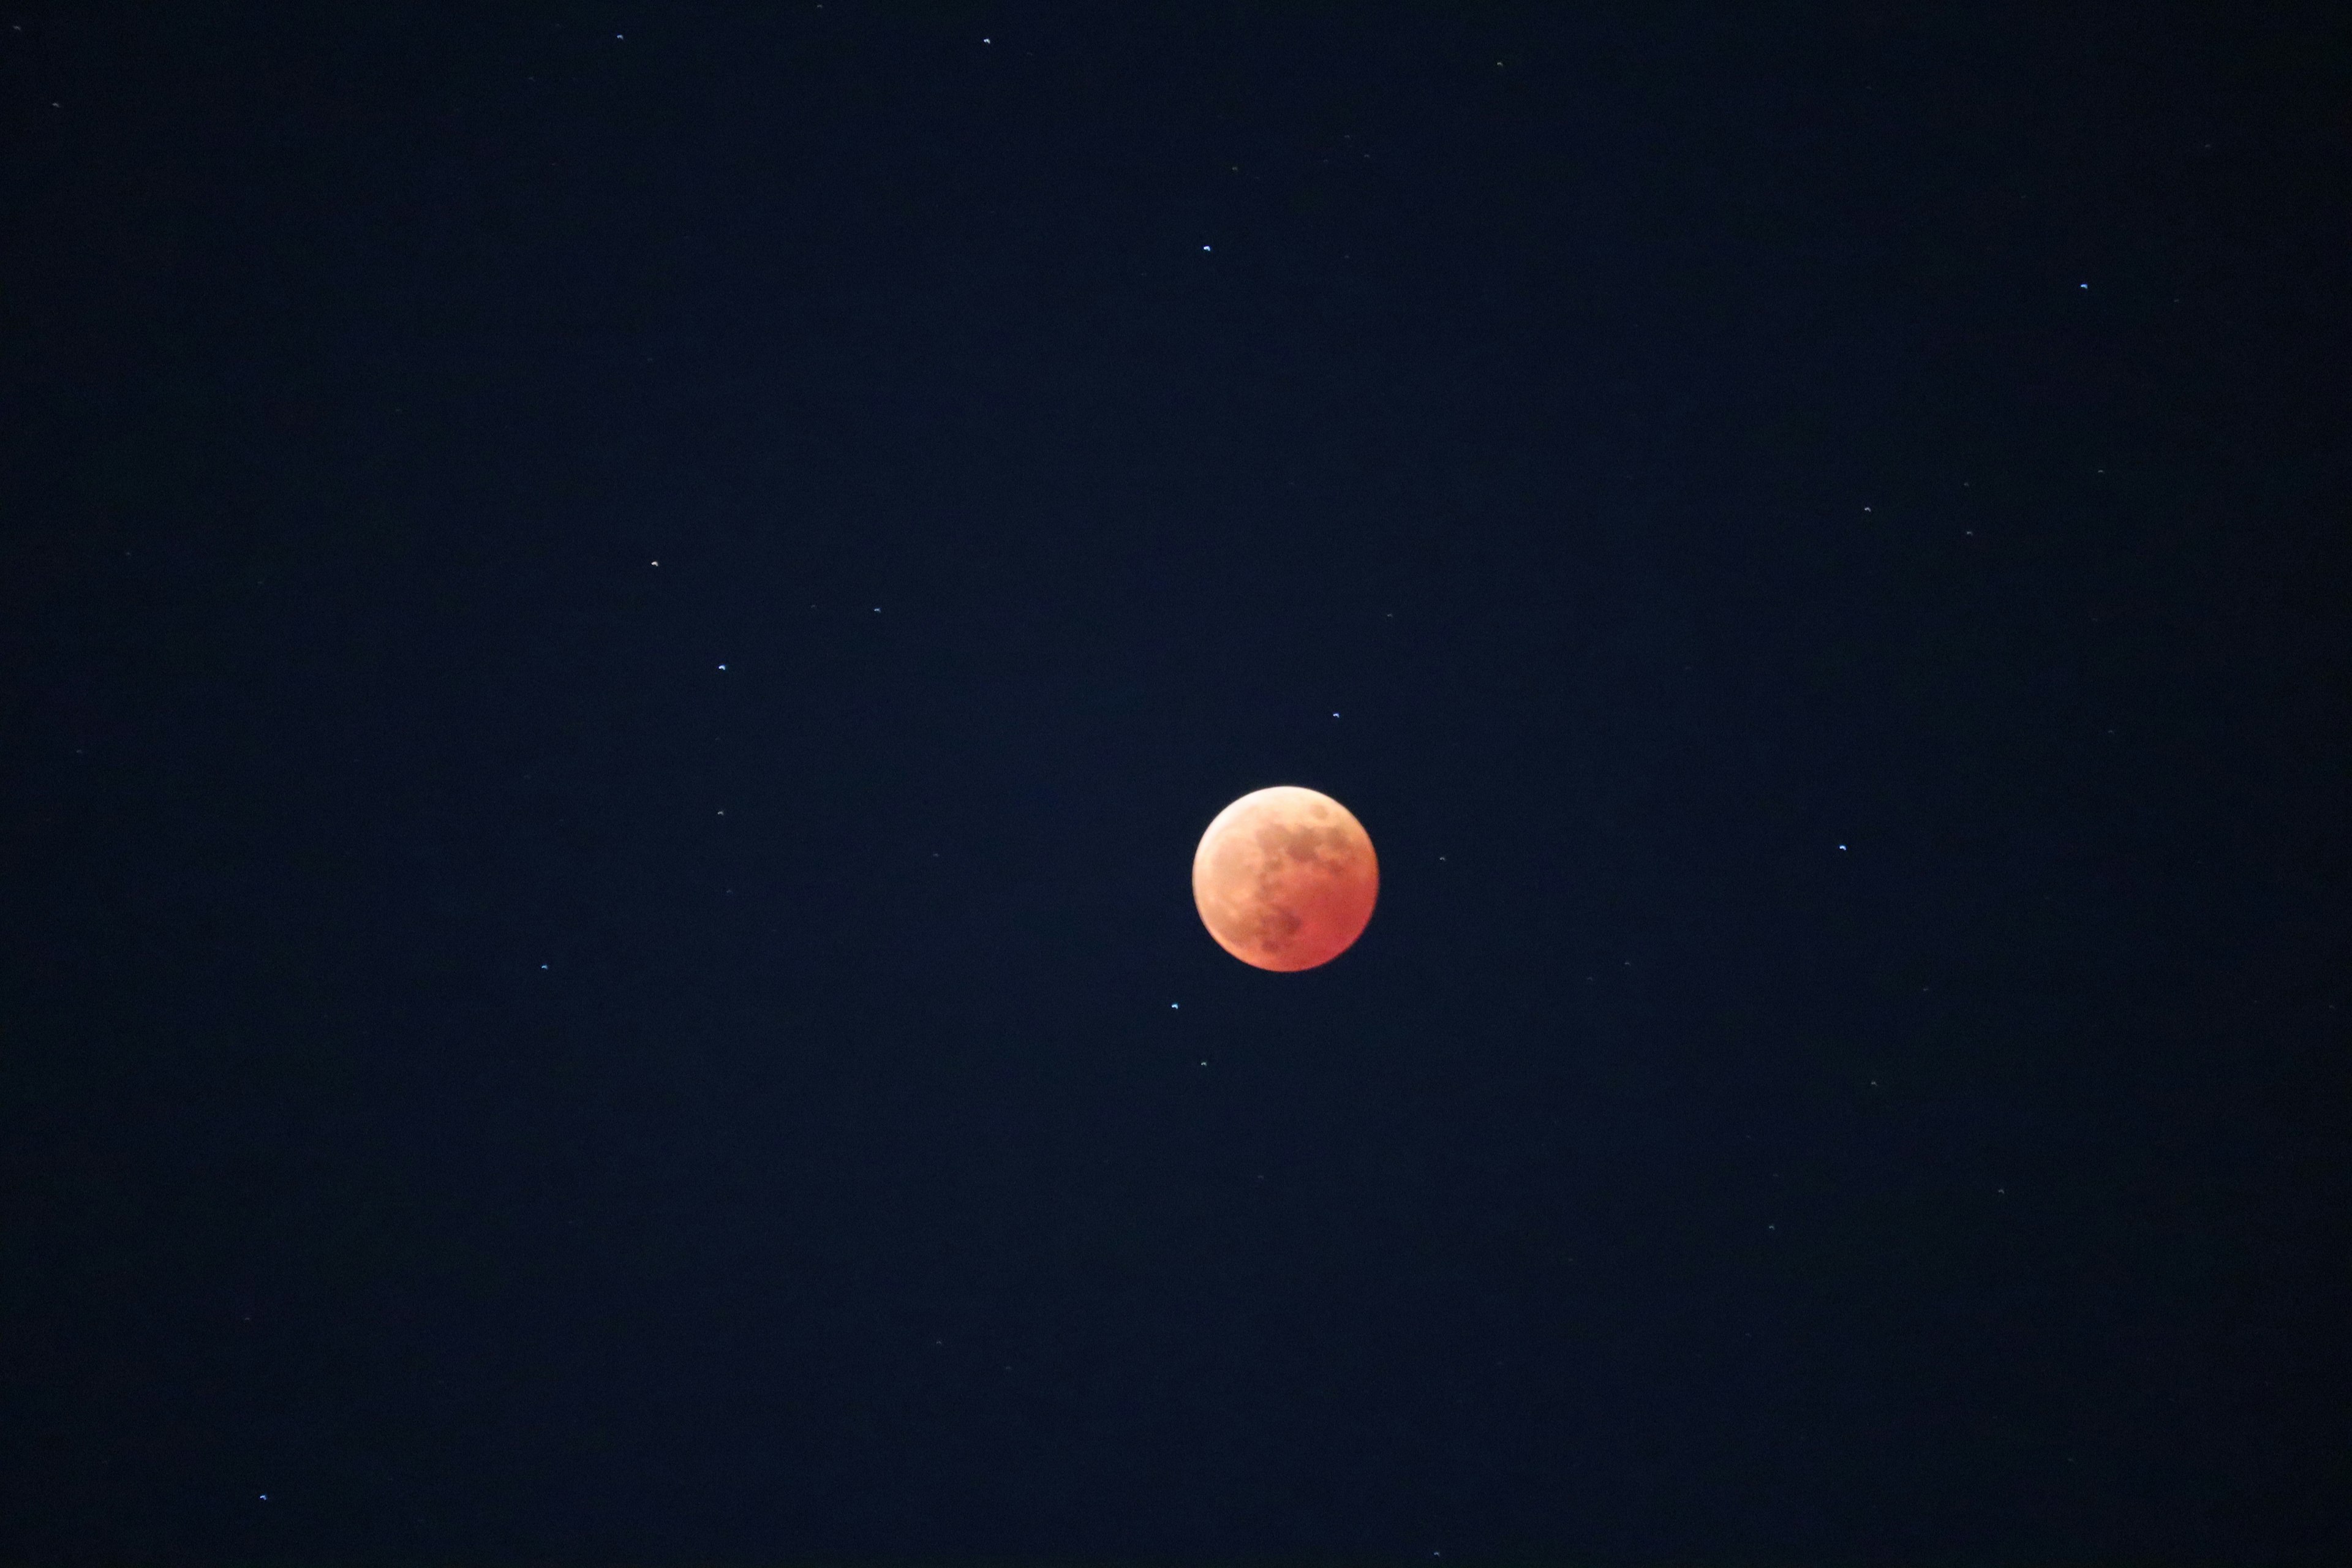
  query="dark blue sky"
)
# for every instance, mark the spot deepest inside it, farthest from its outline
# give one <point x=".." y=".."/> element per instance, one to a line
<point x="621" y="621"/>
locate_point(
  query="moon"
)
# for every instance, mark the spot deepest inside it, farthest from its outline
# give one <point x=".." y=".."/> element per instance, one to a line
<point x="1284" y="879"/>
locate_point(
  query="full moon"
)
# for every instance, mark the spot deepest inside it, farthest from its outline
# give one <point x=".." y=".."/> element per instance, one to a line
<point x="1284" y="879"/>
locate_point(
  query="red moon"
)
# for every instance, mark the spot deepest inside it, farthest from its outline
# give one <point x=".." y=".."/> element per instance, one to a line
<point x="1284" y="879"/>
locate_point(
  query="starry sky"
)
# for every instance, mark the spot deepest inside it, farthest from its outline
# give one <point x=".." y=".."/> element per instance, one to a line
<point x="620" y="621"/>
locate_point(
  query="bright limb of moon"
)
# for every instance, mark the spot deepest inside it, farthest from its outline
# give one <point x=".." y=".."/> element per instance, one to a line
<point x="1284" y="879"/>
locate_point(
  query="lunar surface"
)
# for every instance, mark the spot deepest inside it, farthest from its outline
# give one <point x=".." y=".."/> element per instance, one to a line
<point x="1284" y="879"/>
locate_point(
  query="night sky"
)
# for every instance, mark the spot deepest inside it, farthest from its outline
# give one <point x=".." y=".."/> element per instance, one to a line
<point x="620" y="621"/>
